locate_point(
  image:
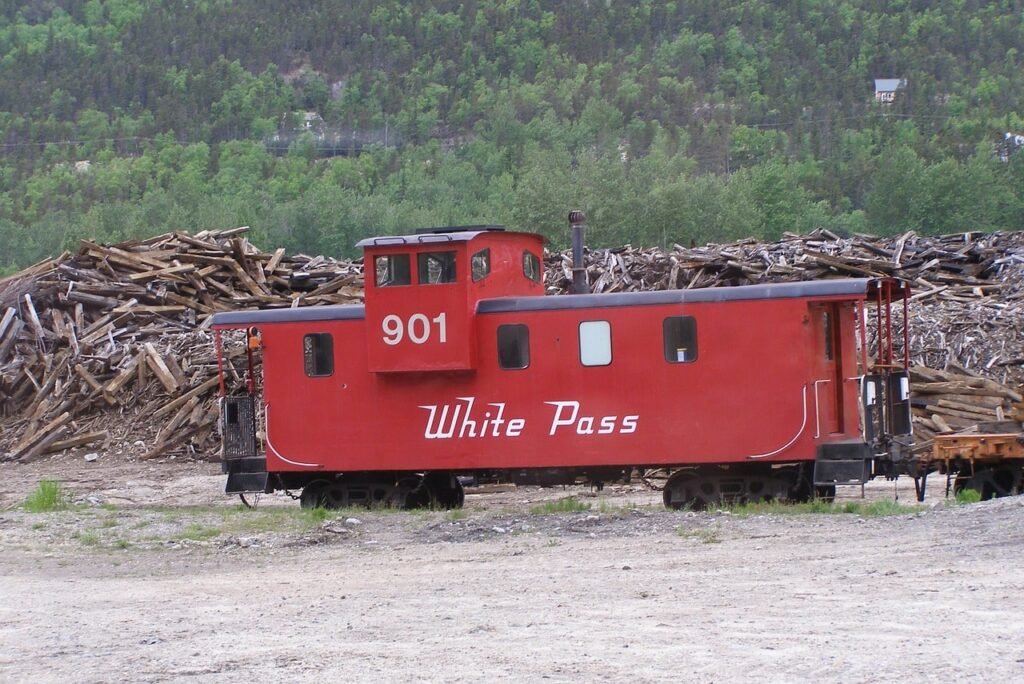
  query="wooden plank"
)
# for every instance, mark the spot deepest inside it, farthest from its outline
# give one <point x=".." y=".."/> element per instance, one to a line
<point x="33" y="319"/>
<point x="12" y="338"/>
<point x="80" y="440"/>
<point x="43" y="446"/>
<point x="141" y="308"/>
<point x="160" y="369"/>
<point x="26" y="444"/>
<point x="8" y="321"/>
<point x="162" y="273"/>
<point x="172" y="406"/>
<point x="271" y="265"/>
<point x="124" y="376"/>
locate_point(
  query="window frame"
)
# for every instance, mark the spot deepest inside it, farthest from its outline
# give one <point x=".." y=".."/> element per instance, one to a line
<point x="671" y="351"/>
<point x="315" y="352"/>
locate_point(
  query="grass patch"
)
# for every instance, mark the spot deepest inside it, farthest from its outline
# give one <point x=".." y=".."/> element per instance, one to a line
<point x="49" y="495"/>
<point x="39" y="526"/>
<point x="455" y="514"/>
<point x="870" y="509"/>
<point x="568" y="505"/>
<point x="87" y="538"/>
<point x="199" y="532"/>
<point x="705" y="535"/>
<point x="968" y="496"/>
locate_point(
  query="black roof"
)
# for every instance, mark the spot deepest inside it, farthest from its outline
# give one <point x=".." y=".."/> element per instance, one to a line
<point x="333" y="312"/>
<point x="811" y="288"/>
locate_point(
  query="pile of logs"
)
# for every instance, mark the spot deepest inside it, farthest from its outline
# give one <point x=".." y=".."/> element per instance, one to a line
<point x="109" y="348"/>
<point x="955" y="400"/>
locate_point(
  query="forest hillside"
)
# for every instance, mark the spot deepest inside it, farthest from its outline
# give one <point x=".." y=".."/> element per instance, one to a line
<point x="319" y="122"/>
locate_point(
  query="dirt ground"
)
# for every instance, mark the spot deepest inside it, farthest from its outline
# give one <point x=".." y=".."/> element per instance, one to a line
<point x="155" y="575"/>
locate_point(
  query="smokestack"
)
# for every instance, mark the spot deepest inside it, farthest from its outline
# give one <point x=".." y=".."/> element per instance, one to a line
<point x="577" y="224"/>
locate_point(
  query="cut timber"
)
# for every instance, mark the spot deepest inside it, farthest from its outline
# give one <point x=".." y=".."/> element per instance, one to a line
<point x="160" y="369"/>
<point x="43" y="446"/>
<point x="37" y="437"/>
<point x="167" y="408"/>
<point x="80" y="440"/>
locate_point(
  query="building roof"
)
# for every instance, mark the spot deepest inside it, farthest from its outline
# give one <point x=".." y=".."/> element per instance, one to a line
<point x="888" y="85"/>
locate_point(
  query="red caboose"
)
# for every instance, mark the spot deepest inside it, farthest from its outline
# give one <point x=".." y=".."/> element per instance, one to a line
<point x="459" y="366"/>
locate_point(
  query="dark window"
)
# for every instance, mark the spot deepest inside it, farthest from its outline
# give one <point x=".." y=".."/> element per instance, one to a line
<point x="513" y="346"/>
<point x="481" y="264"/>
<point x="318" y="353"/>
<point x="829" y="334"/>
<point x="392" y="270"/>
<point x="531" y="266"/>
<point x="680" y="339"/>
<point x="436" y="267"/>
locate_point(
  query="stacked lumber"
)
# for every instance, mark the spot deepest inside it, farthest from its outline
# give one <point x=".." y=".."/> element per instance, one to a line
<point x="110" y="347"/>
<point x="955" y="400"/>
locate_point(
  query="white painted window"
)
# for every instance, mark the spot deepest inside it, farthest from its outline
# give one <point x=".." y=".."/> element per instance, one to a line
<point x="595" y="343"/>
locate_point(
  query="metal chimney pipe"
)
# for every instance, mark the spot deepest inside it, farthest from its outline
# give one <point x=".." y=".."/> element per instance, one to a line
<point x="577" y="223"/>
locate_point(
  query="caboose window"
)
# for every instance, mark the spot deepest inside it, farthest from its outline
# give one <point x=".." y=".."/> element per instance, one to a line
<point x="680" y="334"/>
<point x="392" y="269"/>
<point x="481" y="264"/>
<point x="318" y="354"/>
<point x="595" y="343"/>
<point x="436" y="267"/>
<point x="531" y="266"/>
<point x="513" y="346"/>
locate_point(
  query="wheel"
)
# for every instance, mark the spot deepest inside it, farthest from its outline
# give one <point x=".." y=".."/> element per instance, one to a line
<point x="826" y="493"/>
<point x="314" y="494"/>
<point x="710" y="487"/>
<point x="991" y="482"/>
<point x="444" y="490"/>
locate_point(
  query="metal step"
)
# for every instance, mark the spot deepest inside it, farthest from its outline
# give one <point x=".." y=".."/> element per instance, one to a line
<point x="842" y="463"/>
<point x="246" y="475"/>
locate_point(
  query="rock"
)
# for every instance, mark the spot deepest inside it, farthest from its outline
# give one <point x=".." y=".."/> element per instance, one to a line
<point x="91" y="457"/>
<point x="353" y="521"/>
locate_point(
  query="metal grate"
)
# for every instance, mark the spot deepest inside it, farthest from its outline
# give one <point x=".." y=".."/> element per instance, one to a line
<point x="238" y="426"/>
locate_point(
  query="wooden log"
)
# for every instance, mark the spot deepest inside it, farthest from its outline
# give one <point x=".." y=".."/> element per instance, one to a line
<point x="28" y="443"/>
<point x="42" y="448"/>
<point x="12" y="337"/>
<point x="7" y="323"/>
<point x="162" y="273"/>
<point x="160" y="369"/>
<point x="33" y="319"/>
<point x="124" y="376"/>
<point x="173" y="405"/>
<point x="77" y="441"/>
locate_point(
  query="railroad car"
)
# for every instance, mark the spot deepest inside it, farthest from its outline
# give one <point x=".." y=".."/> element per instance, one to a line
<point x="459" y="366"/>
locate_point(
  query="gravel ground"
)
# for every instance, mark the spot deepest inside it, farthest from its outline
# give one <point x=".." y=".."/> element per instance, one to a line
<point x="154" y="575"/>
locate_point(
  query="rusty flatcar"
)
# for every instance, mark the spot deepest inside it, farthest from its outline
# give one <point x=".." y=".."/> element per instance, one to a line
<point x="459" y="366"/>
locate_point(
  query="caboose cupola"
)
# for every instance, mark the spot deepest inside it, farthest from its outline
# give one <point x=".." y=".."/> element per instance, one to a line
<point x="422" y="290"/>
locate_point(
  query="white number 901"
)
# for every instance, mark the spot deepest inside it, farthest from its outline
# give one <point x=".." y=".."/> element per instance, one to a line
<point x="417" y="329"/>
